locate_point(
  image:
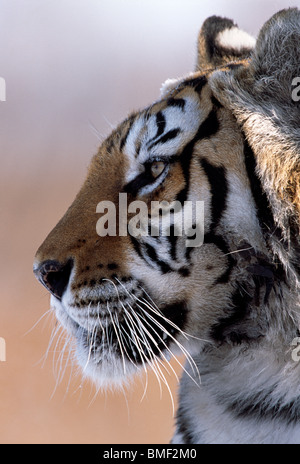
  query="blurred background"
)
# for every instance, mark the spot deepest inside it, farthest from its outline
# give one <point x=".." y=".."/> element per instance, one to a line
<point x="73" y="71"/>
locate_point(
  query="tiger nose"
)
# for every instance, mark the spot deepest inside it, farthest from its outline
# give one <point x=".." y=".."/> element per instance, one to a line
<point x="54" y="276"/>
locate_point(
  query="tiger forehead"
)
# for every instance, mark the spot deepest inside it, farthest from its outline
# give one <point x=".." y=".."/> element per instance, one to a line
<point x="162" y="130"/>
<point x="187" y="91"/>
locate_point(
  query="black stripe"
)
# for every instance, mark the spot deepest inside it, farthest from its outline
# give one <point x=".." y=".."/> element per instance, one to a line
<point x="261" y="406"/>
<point x="184" y="271"/>
<point x="222" y="245"/>
<point x="219" y="190"/>
<point x="171" y="134"/>
<point x="137" y="246"/>
<point x="185" y="161"/>
<point x="183" y="426"/>
<point x="124" y="139"/>
<point x="197" y="83"/>
<point x="172" y="238"/>
<point x="216" y="102"/>
<point x="177" y="313"/>
<point x="161" y="123"/>
<point x="263" y="207"/>
<point x="210" y="126"/>
<point x="206" y="129"/>
<point x="178" y="102"/>
<point x="230" y="328"/>
<point x="145" y="178"/>
<point x="164" y="267"/>
<point x="138" y="148"/>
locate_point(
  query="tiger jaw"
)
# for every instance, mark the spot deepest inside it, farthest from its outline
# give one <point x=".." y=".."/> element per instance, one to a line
<point x="116" y="340"/>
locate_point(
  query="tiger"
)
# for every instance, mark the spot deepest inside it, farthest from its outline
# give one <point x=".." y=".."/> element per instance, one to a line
<point x="226" y="136"/>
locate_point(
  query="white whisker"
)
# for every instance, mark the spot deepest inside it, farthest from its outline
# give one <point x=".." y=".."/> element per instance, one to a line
<point x="136" y="344"/>
<point x="90" y="342"/>
<point x="154" y="341"/>
<point x="157" y="311"/>
<point x="180" y="346"/>
<point x="238" y="251"/>
<point x="154" y="359"/>
<point x="118" y="338"/>
<point x="38" y="321"/>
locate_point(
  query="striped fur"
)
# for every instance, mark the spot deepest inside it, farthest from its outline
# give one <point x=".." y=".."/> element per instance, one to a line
<point x="231" y="306"/>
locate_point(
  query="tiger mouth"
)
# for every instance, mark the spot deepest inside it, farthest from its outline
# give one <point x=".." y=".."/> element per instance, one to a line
<point x="130" y="340"/>
<point x="135" y="334"/>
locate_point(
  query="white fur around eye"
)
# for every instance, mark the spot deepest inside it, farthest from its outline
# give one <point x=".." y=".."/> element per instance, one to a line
<point x="235" y="38"/>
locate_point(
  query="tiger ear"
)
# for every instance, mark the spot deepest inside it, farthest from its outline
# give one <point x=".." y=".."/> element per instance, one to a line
<point x="221" y="41"/>
<point x="264" y="99"/>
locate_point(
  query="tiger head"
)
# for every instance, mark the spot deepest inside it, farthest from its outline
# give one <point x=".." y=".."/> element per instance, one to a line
<point x="131" y="299"/>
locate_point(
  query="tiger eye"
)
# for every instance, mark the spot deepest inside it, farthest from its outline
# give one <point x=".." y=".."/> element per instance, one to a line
<point x="157" y="168"/>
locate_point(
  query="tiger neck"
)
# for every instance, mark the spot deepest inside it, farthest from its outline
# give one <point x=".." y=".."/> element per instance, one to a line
<point x="245" y="396"/>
